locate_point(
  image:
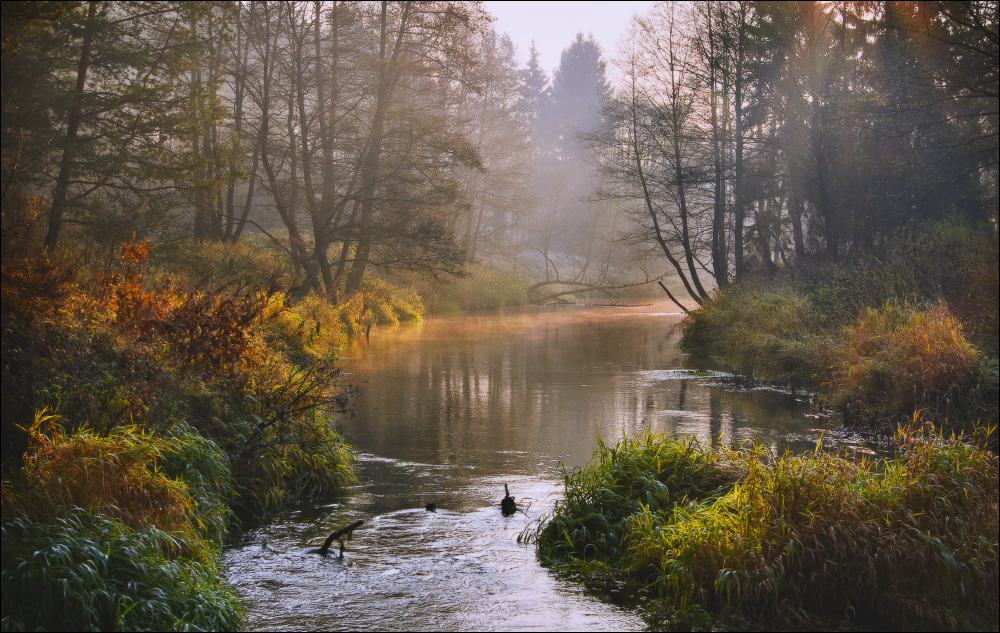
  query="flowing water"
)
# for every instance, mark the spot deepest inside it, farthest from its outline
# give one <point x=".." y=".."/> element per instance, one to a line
<point x="450" y="410"/>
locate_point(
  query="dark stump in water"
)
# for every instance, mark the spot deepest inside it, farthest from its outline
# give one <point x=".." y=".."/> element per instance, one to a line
<point x="507" y="506"/>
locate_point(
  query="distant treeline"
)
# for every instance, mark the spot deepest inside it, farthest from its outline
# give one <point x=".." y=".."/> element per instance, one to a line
<point x="401" y="135"/>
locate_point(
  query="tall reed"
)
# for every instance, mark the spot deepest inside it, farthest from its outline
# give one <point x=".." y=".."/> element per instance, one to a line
<point x="744" y="538"/>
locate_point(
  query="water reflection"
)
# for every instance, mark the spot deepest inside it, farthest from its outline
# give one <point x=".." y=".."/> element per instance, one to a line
<point x="450" y="410"/>
<point x="547" y="383"/>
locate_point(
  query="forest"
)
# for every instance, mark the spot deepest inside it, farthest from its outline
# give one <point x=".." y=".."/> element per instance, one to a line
<point x="203" y="203"/>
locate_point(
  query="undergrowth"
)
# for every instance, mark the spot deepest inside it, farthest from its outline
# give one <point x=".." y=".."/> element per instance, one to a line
<point x="484" y="289"/>
<point x="145" y="411"/>
<point x="77" y="570"/>
<point x="746" y="539"/>
<point x="878" y="337"/>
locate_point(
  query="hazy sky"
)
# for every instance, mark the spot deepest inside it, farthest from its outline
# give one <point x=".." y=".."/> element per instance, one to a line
<point x="554" y="25"/>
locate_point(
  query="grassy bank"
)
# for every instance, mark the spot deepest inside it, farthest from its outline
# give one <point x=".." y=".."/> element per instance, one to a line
<point x="878" y="337"/>
<point x="484" y="289"/>
<point x="145" y="407"/>
<point x="717" y="538"/>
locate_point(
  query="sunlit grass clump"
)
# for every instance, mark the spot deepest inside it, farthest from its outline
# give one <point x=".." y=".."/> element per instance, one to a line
<point x="116" y="475"/>
<point x="746" y="539"/>
<point x="900" y="358"/>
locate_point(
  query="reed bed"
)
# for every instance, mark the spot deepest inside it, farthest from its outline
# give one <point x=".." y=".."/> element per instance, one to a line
<point x="746" y="539"/>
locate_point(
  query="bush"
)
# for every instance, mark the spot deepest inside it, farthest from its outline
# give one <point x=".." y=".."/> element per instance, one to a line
<point x="159" y="404"/>
<point x="84" y="572"/>
<point x="810" y="540"/>
<point x="880" y="336"/>
<point x="765" y="330"/>
<point x="899" y="358"/>
<point x="191" y="262"/>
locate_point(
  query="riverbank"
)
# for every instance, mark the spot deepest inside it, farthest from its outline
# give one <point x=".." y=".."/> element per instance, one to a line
<point x="715" y="538"/>
<point x="879" y="338"/>
<point x="145" y="411"/>
<point x="905" y="345"/>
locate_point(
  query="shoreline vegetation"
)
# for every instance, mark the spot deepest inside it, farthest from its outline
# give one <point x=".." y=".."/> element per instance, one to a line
<point x="153" y="400"/>
<point x="906" y="346"/>
<point x="722" y="539"/>
<point x="203" y="202"/>
<point x="876" y="337"/>
<point x="157" y="397"/>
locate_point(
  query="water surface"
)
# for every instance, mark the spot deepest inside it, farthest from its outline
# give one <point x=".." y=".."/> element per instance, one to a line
<point x="450" y="409"/>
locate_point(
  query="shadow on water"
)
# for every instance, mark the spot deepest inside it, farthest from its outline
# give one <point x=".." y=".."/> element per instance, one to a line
<point x="450" y="410"/>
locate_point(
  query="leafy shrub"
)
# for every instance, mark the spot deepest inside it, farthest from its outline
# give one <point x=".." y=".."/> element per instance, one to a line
<point x="900" y="358"/>
<point x="250" y="262"/>
<point x="319" y="463"/>
<point x="759" y="328"/>
<point x="276" y="428"/>
<point x="84" y="572"/>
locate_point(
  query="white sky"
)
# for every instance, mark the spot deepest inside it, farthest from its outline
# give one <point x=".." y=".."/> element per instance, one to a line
<point x="554" y="25"/>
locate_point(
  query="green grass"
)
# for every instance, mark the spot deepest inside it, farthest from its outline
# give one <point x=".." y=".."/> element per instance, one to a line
<point x="745" y="539"/>
<point x="84" y="572"/>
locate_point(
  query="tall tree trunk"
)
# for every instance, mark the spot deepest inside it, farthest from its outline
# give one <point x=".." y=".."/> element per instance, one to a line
<point x="720" y="255"/>
<point x="739" y="187"/>
<point x="61" y="192"/>
<point x="389" y="72"/>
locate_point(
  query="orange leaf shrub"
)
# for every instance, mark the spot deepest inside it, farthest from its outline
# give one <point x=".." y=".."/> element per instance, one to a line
<point x="904" y="357"/>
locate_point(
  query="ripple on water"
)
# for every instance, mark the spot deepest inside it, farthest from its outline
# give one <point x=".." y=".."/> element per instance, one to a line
<point x="451" y="410"/>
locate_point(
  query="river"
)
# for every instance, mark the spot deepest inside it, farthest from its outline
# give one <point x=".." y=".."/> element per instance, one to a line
<point x="451" y="409"/>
